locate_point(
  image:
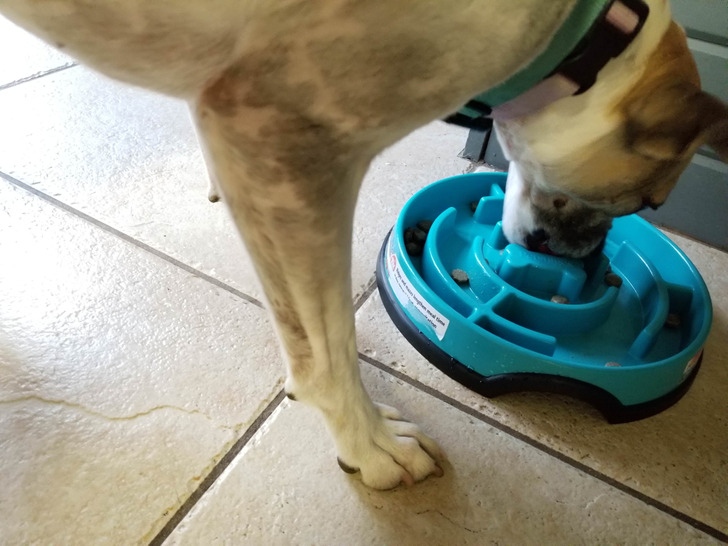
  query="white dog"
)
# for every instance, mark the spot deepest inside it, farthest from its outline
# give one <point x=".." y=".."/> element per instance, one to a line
<point x="293" y="98"/>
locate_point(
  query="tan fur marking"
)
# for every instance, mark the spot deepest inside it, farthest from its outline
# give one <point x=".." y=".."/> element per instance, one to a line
<point x="671" y="62"/>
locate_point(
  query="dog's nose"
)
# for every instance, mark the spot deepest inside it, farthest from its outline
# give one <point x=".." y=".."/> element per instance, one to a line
<point x="536" y="241"/>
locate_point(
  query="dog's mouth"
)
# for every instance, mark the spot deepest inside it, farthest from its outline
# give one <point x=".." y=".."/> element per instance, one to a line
<point x="538" y="242"/>
<point x="544" y="249"/>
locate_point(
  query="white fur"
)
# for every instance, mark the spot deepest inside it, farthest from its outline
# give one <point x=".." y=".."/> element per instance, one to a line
<point x="518" y="219"/>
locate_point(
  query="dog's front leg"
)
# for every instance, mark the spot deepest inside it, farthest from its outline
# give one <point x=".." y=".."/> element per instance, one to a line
<point x="291" y="185"/>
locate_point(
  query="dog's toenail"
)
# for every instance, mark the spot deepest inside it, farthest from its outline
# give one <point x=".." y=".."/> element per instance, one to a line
<point x="407" y="479"/>
<point x="438" y="472"/>
<point x="214" y="198"/>
<point x="346" y="468"/>
<point x="291" y="396"/>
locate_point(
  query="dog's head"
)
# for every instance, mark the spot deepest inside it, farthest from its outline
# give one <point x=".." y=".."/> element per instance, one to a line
<point x="563" y="193"/>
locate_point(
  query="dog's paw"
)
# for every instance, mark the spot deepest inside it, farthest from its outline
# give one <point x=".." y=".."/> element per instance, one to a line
<point x="391" y="452"/>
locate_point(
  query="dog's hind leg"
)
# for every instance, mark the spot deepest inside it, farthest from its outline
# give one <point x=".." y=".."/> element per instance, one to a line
<point x="291" y="184"/>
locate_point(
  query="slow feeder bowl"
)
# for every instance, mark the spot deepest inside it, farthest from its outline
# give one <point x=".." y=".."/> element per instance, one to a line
<point x="632" y="349"/>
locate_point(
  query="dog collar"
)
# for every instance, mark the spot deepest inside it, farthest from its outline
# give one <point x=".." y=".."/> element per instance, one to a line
<point x="595" y="32"/>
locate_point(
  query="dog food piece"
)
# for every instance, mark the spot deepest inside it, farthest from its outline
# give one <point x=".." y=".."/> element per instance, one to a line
<point x="460" y="276"/>
<point x="473" y="206"/>
<point x="409" y="235"/>
<point x="413" y="249"/>
<point x="419" y="236"/>
<point x="425" y="225"/>
<point x="673" y="320"/>
<point x="557" y="298"/>
<point x="612" y="279"/>
<point x="613" y="365"/>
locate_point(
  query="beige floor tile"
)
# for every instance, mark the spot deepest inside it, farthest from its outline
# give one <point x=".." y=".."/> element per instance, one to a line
<point x="126" y="157"/>
<point x="131" y="159"/>
<point x="123" y="379"/>
<point x="285" y="488"/>
<point x="70" y="476"/>
<point x="24" y="55"/>
<point x="678" y="457"/>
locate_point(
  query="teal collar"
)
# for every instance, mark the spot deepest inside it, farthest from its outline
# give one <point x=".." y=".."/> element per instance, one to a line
<point x="593" y="33"/>
<point x="574" y="29"/>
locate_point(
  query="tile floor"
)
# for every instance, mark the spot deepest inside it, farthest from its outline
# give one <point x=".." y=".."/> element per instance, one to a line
<point x="140" y="382"/>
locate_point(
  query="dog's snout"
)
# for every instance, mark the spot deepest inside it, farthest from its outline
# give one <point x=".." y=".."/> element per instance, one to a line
<point x="536" y="241"/>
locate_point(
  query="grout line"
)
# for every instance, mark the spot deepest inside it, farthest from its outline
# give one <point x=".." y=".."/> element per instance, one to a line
<point x="217" y="470"/>
<point x="361" y="300"/>
<point x="129" y="239"/>
<point x="650" y="501"/>
<point x="38" y="75"/>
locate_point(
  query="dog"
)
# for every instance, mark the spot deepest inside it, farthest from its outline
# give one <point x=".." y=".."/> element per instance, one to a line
<point x="292" y="99"/>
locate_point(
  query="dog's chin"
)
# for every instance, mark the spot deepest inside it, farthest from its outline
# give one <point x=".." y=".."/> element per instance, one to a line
<point x="582" y="252"/>
<point x="554" y="247"/>
<point x="571" y="231"/>
<point x="564" y="251"/>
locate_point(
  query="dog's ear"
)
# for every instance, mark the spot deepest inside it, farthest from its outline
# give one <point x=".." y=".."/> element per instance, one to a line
<point x="718" y="136"/>
<point x="674" y="121"/>
<point x="713" y="116"/>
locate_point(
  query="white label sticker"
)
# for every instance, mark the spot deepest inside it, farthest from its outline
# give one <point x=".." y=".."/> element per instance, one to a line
<point x="405" y="292"/>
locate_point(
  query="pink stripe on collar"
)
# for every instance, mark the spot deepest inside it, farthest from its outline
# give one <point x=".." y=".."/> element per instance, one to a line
<point x="623" y="18"/>
<point x="539" y="96"/>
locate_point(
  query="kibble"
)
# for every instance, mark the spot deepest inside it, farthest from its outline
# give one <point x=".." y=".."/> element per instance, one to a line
<point x="613" y="365"/>
<point x="673" y="320"/>
<point x="460" y="276"/>
<point x="558" y="298"/>
<point x="413" y="249"/>
<point x="612" y="279"/>
<point x="473" y="206"/>
<point x="409" y="235"/>
<point x="425" y="225"/>
<point x="419" y="236"/>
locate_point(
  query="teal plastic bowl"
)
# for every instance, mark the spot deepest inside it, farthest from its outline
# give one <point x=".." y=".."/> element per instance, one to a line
<point x="623" y="330"/>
